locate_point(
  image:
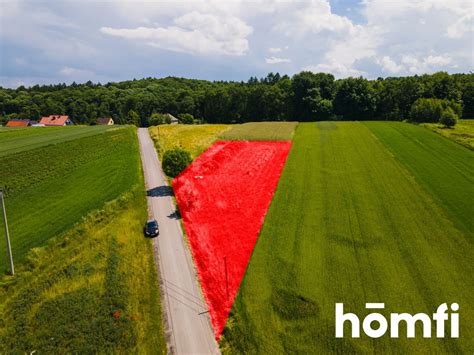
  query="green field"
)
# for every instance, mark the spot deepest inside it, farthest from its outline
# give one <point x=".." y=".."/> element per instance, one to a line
<point x="194" y="138"/>
<point x="92" y="290"/>
<point x="361" y="214"/>
<point x="85" y="276"/>
<point x="14" y="140"/>
<point x="463" y="132"/>
<point x="260" y="131"/>
<point x="50" y="188"/>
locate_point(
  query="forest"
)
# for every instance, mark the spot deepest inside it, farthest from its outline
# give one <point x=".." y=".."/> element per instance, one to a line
<point x="306" y="96"/>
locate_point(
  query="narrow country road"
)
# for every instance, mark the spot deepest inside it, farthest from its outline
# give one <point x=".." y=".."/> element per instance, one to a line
<point x="187" y="325"/>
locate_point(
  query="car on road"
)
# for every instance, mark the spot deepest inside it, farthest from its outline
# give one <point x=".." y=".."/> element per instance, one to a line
<point x="151" y="228"/>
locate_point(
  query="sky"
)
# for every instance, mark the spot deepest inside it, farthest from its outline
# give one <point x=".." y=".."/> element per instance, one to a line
<point x="47" y="42"/>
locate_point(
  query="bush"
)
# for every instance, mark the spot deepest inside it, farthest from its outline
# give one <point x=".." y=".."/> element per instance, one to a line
<point x="448" y="118"/>
<point x="175" y="161"/>
<point x="157" y="119"/>
<point x="186" y="118"/>
<point x="430" y="110"/>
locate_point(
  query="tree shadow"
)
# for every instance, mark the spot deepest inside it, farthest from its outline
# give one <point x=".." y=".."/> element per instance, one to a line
<point x="160" y="191"/>
<point x="175" y="215"/>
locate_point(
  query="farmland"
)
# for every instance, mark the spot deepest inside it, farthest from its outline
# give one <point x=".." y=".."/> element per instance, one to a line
<point x="259" y="131"/>
<point x="20" y="139"/>
<point x="223" y="197"/>
<point x="193" y="138"/>
<point x="90" y="290"/>
<point x="356" y="219"/>
<point x="52" y="187"/>
<point x="463" y="132"/>
<point x="85" y="276"/>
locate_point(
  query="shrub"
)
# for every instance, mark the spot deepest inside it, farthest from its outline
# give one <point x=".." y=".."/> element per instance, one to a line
<point x="157" y="119"/>
<point x="430" y="110"/>
<point x="448" y="118"/>
<point x="175" y="161"/>
<point x="186" y="118"/>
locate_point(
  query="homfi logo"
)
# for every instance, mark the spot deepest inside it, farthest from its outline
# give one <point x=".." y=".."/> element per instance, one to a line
<point x="375" y="325"/>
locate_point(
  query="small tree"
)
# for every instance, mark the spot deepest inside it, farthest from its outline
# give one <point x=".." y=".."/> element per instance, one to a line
<point x="133" y="118"/>
<point x="448" y="118"/>
<point x="186" y="118"/>
<point x="157" y="119"/>
<point x="175" y="161"/>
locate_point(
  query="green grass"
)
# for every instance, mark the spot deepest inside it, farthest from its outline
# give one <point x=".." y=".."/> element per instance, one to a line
<point x="91" y="290"/>
<point x="462" y="133"/>
<point x="51" y="188"/>
<point x="16" y="140"/>
<point x="194" y="138"/>
<point x="350" y="223"/>
<point x="442" y="167"/>
<point x="260" y="131"/>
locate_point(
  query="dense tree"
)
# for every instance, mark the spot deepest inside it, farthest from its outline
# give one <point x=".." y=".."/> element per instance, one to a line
<point x="306" y="96"/>
<point x="448" y="117"/>
<point x="355" y="100"/>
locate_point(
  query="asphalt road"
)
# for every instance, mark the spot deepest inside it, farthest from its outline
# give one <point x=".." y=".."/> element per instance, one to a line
<point x="187" y="325"/>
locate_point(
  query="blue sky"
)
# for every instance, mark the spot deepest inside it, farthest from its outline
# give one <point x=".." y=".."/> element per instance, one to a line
<point x="44" y="42"/>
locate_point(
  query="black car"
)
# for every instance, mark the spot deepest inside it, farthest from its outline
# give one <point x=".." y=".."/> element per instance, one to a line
<point x="151" y="228"/>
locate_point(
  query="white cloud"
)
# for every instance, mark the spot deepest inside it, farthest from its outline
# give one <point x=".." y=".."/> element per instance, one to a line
<point x="461" y="27"/>
<point x="277" y="60"/>
<point x="389" y="66"/>
<point x="69" y="71"/>
<point x="415" y="65"/>
<point x="274" y="50"/>
<point x="194" y="33"/>
<point x="337" y="69"/>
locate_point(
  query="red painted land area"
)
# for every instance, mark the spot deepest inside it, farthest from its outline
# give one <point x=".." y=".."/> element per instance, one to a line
<point x="223" y="197"/>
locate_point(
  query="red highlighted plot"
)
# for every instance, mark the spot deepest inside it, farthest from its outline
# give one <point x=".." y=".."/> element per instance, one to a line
<point x="223" y="197"/>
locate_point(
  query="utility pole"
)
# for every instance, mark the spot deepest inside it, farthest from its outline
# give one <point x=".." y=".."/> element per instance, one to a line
<point x="7" y="236"/>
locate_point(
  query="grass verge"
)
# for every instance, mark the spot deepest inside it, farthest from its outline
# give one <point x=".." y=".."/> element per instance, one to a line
<point x="462" y="133"/>
<point x="92" y="289"/>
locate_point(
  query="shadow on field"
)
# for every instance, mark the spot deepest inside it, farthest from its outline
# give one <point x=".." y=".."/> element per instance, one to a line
<point x="175" y="215"/>
<point x="160" y="191"/>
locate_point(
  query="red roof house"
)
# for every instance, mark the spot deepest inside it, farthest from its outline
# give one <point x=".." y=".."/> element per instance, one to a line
<point x="18" y="123"/>
<point x="56" y="120"/>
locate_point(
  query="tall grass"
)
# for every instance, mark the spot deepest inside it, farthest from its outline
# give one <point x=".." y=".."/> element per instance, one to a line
<point x="92" y="289"/>
<point x="194" y="138"/>
<point x="462" y="133"/>
<point x="350" y="223"/>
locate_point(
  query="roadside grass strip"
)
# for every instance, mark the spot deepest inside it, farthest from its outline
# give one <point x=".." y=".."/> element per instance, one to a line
<point x="350" y="223"/>
<point x="223" y="197"/>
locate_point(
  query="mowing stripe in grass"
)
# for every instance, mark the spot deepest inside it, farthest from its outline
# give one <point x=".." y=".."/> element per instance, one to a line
<point x="443" y="167"/>
<point x="348" y="223"/>
<point x="19" y="140"/>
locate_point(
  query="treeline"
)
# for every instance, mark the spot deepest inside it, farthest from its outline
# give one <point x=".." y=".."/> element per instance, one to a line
<point x="304" y="97"/>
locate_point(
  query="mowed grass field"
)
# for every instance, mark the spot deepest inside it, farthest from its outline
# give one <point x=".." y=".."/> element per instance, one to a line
<point x="14" y="140"/>
<point x="463" y="132"/>
<point x="362" y="213"/>
<point x="50" y="188"/>
<point x="260" y="131"/>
